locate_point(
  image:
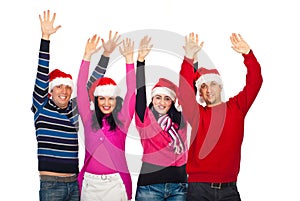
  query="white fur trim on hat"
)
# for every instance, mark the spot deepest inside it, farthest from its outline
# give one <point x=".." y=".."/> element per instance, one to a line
<point x="165" y="91"/>
<point x="208" y="78"/>
<point x="107" y="90"/>
<point x="60" y="80"/>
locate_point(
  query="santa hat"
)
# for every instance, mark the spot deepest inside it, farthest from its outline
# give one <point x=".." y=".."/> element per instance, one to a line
<point x="104" y="86"/>
<point x="166" y="87"/>
<point x="57" y="77"/>
<point x="204" y="75"/>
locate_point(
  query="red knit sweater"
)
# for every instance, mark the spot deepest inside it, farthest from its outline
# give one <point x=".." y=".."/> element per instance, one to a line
<point x="217" y="132"/>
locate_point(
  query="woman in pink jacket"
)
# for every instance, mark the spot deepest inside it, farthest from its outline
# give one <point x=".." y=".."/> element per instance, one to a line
<point x="105" y="174"/>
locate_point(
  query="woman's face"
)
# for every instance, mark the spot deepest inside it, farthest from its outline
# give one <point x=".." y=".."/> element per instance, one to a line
<point x="107" y="104"/>
<point x="161" y="103"/>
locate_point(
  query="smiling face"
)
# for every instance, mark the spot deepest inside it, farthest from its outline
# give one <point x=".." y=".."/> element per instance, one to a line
<point x="107" y="104"/>
<point x="161" y="103"/>
<point x="61" y="95"/>
<point x="211" y="93"/>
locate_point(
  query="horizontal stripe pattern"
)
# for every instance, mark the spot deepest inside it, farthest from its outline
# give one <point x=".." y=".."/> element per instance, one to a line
<point x="99" y="71"/>
<point x="56" y="129"/>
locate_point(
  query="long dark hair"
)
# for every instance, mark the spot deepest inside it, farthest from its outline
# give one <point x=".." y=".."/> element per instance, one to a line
<point x="112" y="118"/>
<point x="173" y="113"/>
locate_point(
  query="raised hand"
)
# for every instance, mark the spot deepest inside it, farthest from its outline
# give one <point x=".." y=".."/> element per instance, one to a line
<point x="111" y="44"/>
<point x="127" y="50"/>
<point x="192" y="46"/>
<point x="144" y="48"/>
<point x="239" y="44"/>
<point x="91" y="47"/>
<point x="47" y="25"/>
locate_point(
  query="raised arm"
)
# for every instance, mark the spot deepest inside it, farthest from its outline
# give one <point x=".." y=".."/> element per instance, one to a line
<point x="187" y="98"/>
<point x="196" y="66"/>
<point x="40" y="93"/>
<point x="109" y="46"/>
<point x="253" y="79"/>
<point x="144" y="49"/>
<point x="83" y="101"/>
<point x="127" y="111"/>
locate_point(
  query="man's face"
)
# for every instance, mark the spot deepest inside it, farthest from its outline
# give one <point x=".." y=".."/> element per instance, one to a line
<point x="61" y="95"/>
<point x="211" y="93"/>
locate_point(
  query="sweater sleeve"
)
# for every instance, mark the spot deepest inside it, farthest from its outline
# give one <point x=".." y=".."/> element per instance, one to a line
<point x="187" y="97"/>
<point x="82" y="94"/>
<point x="195" y="66"/>
<point x="195" y="69"/>
<point x="140" y="108"/>
<point x="99" y="71"/>
<point x="127" y="111"/>
<point x="253" y="83"/>
<point x="40" y="92"/>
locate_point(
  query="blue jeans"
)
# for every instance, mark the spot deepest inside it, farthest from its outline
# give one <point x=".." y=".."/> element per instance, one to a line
<point x="199" y="191"/>
<point x="162" y="192"/>
<point x="59" y="191"/>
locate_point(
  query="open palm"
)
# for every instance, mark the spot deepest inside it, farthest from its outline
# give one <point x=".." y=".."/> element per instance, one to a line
<point x="47" y="26"/>
<point x="110" y="45"/>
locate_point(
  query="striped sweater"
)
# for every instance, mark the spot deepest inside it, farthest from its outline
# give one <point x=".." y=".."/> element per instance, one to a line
<point x="56" y="129"/>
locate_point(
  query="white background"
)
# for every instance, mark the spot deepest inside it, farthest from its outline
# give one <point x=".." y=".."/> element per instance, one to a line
<point x="270" y="151"/>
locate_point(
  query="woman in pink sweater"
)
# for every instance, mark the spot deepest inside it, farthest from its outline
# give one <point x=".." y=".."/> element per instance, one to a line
<point x="105" y="174"/>
<point x="163" y="133"/>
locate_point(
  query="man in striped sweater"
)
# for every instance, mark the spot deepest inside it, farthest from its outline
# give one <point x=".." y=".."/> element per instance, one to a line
<point x="56" y="124"/>
<point x="56" y="118"/>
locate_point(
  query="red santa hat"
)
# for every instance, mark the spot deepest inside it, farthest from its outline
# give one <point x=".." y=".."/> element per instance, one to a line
<point x="166" y="87"/>
<point x="204" y="75"/>
<point x="57" y="77"/>
<point x="104" y="86"/>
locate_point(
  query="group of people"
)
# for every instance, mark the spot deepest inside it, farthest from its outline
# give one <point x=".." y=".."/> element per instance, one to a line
<point x="206" y="170"/>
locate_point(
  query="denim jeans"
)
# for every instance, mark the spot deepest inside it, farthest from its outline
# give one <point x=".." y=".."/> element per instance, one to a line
<point x="59" y="191"/>
<point x="198" y="191"/>
<point x="162" y="192"/>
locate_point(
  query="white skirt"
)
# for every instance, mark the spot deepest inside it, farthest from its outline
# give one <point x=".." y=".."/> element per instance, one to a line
<point x="107" y="187"/>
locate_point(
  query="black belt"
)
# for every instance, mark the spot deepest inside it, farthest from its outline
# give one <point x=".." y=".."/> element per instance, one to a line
<point x="221" y="185"/>
<point x="58" y="179"/>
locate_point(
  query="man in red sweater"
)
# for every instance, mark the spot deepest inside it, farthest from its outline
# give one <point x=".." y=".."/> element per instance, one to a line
<point x="218" y="127"/>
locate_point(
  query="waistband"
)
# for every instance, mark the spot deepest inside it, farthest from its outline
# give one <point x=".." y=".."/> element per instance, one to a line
<point x="58" y="179"/>
<point x="221" y="185"/>
<point x="102" y="177"/>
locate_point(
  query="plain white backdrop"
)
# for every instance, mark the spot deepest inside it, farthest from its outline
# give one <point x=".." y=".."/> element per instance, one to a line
<point x="270" y="152"/>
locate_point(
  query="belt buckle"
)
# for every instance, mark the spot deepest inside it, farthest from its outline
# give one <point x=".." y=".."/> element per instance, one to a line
<point x="216" y="185"/>
<point x="104" y="177"/>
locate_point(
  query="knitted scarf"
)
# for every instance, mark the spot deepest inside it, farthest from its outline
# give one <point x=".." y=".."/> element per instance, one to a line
<point x="171" y="128"/>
